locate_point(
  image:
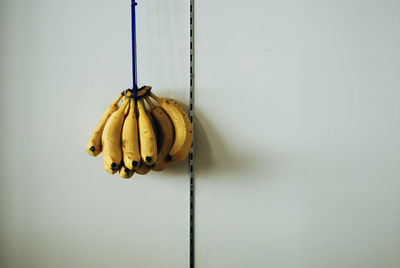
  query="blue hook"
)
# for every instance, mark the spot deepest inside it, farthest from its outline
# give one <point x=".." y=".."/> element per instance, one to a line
<point x="134" y="62"/>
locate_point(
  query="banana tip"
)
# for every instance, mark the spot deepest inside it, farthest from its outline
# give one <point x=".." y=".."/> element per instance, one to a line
<point x="113" y="167"/>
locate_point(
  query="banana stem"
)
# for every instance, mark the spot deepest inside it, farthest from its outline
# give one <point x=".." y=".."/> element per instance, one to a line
<point x="155" y="97"/>
<point x="151" y="104"/>
<point x="127" y="107"/>
<point x="118" y="99"/>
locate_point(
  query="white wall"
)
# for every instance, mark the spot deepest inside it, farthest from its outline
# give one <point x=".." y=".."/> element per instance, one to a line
<point x="62" y="63"/>
<point x="297" y="134"/>
<point x="298" y="126"/>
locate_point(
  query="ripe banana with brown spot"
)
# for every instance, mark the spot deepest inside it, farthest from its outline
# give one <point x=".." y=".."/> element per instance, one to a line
<point x="183" y="128"/>
<point x="130" y="139"/>
<point x="111" y="139"/>
<point x="165" y="138"/>
<point x="142" y="169"/>
<point x="94" y="145"/>
<point x="147" y="136"/>
<point x="125" y="172"/>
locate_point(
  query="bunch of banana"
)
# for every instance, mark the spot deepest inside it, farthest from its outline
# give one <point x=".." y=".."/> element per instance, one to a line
<point x="136" y="138"/>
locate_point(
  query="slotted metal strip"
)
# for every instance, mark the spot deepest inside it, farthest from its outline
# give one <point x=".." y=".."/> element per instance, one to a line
<point x="191" y="155"/>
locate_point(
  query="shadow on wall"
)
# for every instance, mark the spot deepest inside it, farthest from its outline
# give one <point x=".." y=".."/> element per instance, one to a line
<point x="212" y="153"/>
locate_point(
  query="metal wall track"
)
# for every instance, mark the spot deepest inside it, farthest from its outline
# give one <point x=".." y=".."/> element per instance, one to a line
<point x="191" y="156"/>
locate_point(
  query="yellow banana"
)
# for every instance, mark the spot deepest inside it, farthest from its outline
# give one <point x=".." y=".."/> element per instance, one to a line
<point x="111" y="139"/>
<point x="130" y="139"/>
<point x="153" y="124"/>
<point x="94" y="145"/>
<point x="125" y="172"/>
<point x="147" y="136"/>
<point x="142" y="169"/>
<point x="183" y="128"/>
<point x="165" y="137"/>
